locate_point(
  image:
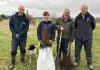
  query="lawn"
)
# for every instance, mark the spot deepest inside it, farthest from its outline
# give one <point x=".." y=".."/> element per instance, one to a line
<point x="5" y="45"/>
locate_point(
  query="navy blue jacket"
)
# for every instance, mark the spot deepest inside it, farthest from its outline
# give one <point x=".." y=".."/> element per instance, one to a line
<point x="19" y="25"/>
<point x="50" y="30"/>
<point x="84" y="27"/>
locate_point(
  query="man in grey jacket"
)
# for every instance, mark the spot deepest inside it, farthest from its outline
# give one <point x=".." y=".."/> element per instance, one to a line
<point x="84" y="25"/>
<point x="19" y="25"/>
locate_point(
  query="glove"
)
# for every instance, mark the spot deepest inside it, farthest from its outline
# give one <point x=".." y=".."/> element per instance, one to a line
<point x="17" y="35"/>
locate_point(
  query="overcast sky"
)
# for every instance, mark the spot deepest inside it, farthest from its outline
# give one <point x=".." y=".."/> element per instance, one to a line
<point x="36" y="7"/>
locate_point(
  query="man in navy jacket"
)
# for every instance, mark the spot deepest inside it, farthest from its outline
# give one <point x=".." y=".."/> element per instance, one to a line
<point x="19" y="25"/>
<point x="84" y="25"/>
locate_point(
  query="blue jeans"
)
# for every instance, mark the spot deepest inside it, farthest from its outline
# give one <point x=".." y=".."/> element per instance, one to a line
<point x="87" y="47"/>
<point x="63" y="46"/>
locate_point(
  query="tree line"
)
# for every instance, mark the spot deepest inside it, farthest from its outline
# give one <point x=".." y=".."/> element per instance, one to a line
<point x="3" y="16"/>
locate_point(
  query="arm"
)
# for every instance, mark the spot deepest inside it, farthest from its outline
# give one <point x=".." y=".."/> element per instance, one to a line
<point x="75" y="22"/>
<point x="39" y="31"/>
<point x="57" y="25"/>
<point x="93" y="23"/>
<point x="53" y="32"/>
<point x="26" y="28"/>
<point x="72" y="34"/>
<point x="11" y="26"/>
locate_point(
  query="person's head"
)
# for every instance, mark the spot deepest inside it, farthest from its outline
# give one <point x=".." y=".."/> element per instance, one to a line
<point x="66" y="13"/>
<point x="84" y="9"/>
<point x="46" y="16"/>
<point x="21" y="10"/>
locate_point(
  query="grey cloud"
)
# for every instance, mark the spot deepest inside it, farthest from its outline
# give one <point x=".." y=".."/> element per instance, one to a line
<point x="57" y="6"/>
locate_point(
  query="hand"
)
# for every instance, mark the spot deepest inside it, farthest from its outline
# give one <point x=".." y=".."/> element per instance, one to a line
<point x="50" y="41"/>
<point x="17" y="35"/>
<point x="41" y="43"/>
<point x="61" y="28"/>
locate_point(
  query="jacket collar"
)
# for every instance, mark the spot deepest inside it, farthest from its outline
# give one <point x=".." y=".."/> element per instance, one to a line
<point x="62" y="17"/>
<point x="47" y="22"/>
<point x="86" y="16"/>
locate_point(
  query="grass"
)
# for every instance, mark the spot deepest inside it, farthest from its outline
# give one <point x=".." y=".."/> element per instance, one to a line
<point x="5" y="45"/>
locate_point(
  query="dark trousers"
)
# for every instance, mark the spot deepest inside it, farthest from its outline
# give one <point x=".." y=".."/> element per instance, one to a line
<point x="63" y="46"/>
<point x="87" y="47"/>
<point x="14" y="45"/>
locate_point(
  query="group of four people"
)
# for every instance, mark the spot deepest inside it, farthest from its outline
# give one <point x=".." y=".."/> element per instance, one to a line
<point x="81" y="30"/>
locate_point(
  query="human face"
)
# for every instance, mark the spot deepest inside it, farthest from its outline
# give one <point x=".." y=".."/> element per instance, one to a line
<point x="21" y="10"/>
<point x="66" y="14"/>
<point x="46" y="18"/>
<point x="84" y="9"/>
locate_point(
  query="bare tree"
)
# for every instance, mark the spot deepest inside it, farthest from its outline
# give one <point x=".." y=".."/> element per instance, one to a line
<point x="53" y="17"/>
<point x="31" y="19"/>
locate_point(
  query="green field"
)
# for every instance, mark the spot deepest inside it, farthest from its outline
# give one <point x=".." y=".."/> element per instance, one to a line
<point x="5" y="41"/>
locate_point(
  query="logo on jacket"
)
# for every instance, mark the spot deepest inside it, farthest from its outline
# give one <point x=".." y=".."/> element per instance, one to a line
<point x="24" y="23"/>
<point x="87" y="19"/>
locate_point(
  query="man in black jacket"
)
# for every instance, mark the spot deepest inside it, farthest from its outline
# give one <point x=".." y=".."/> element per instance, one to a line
<point x="19" y="25"/>
<point x="84" y="25"/>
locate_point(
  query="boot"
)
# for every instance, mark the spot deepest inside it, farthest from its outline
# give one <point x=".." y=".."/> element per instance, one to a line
<point x="22" y="58"/>
<point x="90" y="67"/>
<point x="11" y="66"/>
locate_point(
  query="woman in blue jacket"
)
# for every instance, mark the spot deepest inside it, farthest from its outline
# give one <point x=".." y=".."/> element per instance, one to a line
<point x="46" y="36"/>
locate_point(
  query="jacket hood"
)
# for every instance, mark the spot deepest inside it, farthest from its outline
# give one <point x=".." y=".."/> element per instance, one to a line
<point x="47" y="22"/>
<point x="21" y="17"/>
